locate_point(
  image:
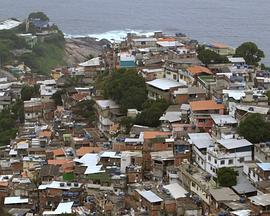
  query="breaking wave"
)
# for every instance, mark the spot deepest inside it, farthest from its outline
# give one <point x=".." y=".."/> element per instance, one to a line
<point x="117" y="35"/>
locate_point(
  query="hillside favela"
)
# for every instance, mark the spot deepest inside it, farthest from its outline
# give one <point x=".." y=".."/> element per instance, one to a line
<point x="153" y="124"/>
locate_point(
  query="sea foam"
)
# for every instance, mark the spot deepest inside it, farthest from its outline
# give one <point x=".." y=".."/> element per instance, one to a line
<point x="116" y="35"/>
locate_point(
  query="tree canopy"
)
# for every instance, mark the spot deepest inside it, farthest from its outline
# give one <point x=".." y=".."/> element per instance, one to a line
<point x="38" y="15"/>
<point x="254" y="128"/>
<point x="210" y="57"/>
<point x="57" y="97"/>
<point x="250" y="52"/>
<point x="127" y="89"/>
<point x="7" y="126"/>
<point x="86" y="110"/>
<point x="28" y="92"/>
<point x="9" y="41"/>
<point x="42" y="57"/>
<point x="152" y="111"/>
<point x="227" y="177"/>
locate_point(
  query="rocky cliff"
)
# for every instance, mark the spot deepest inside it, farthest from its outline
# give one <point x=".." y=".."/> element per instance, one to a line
<point x="82" y="49"/>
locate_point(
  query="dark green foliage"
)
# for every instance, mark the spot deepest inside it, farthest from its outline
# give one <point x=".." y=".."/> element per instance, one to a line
<point x="44" y="56"/>
<point x="127" y="89"/>
<point x="127" y="123"/>
<point x="29" y="92"/>
<point x="57" y="97"/>
<point x="73" y="81"/>
<point x="254" y="128"/>
<point x="9" y="41"/>
<point x="250" y="52"/>
<point x="86" y="110"/>
<point x="210" y="57"/>
<point x="18" y="109"/>
<point x="268" y="95"/>
<point x="68" y="176"/>
<point x="227" y="177"/>
<point x="264" y="67"/>
<point x="152" y="111"/>
<point x="38" y="15"/>
<point x="7" y="126"/>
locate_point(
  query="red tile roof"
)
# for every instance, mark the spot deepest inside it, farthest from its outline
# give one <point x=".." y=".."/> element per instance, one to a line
<point x="205" y="105"/>
<point x="195" y="70"/>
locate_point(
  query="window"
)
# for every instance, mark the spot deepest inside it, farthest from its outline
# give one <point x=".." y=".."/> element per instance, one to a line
<point x="193" y="184"/>
<point x="231" y="161"/>
<point x="215" y="161"/>
<point x="209" y="158"/>
<point x="222" y="162"/>
<point x="241" y="159"/>
<point x="174" y="77"/>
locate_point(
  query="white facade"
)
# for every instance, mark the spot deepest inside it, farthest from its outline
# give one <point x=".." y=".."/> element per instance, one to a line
<point x="200" y="157"/>
<point x="228" y="153"/>
<point x="250" y="170"/>
<point x="216" y="160"/>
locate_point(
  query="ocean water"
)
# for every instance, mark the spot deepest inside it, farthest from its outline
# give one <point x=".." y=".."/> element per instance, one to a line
<point x="226" y="21"/>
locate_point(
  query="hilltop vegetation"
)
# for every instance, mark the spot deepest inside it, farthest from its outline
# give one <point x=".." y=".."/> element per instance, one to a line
<point x="128" y="89"/>
<point x="47" y="53"/>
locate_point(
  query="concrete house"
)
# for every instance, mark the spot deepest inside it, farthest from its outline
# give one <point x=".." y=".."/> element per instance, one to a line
<point x="201" y="111"/>
<point x="163" y="88"/>
<point x="107" y="111"/>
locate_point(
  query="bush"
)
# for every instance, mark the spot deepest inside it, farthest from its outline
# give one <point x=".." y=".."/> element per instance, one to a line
<point x="254" y="128"/>
<point x="127" y="89"/>
<point x="227" y="177"/>
<point x="152" y="111"/>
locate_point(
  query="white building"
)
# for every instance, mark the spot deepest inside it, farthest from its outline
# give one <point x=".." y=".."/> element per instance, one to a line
<point x="47" y="89"/>
<point x="128" y="159"/>
<point x="228" y="153"/>
<point x="200" y="143"/>
<point x="107" y="111"/>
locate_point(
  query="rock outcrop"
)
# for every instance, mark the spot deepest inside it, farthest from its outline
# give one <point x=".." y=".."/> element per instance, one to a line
<point x="81" y="49"/>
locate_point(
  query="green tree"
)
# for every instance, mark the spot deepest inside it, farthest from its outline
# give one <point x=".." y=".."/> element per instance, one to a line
<point x="5" y="54"/>
<point x="227" y="177"/>
<point x="250" y="52"/>
<point x="254" y="128"/>
<point x="264" y="67"/>
<point x="127" y="123"/>
<point x="127" y="89"/>
<point x="28" y="92"/>
<point x="38" y="15"/>
<point x="8" y="128"/>
<point x="210" y="57"/>
<point x="57" y="97"/>
<point x="18" y="110"/>
<point x="152" y="111"/>
<point x="86" y="109"/>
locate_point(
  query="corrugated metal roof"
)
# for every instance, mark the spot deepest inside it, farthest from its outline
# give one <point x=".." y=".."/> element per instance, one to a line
<point x="201" y="140"/>
<point x="150" y="196"/>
